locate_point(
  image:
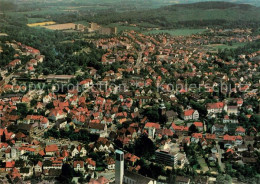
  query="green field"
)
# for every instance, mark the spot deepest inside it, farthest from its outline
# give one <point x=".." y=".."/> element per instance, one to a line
<point x="36" y="20"/>
<point x="224" y="46"/>
<point x="83" y="23"/>
<point x="122" y="27"/>
<point x="177" y="32"/>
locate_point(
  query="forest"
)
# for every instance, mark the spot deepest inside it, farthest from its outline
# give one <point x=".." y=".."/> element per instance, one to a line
<point x="197" y="15"/>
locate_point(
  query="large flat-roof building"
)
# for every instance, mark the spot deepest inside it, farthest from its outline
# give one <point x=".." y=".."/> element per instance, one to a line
<point x="134" y="178"/>
<point x="170" y="155"/>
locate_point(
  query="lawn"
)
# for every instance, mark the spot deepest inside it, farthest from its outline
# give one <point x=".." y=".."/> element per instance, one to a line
<point x="177" y="32"/>
<point x="203" y="164"/>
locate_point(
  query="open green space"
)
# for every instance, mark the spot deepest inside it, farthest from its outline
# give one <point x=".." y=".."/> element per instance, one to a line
<point x="203" y="164"/>
<point x="177" y="32"/>
<point x="36" y="20"/>
<point x="225" y="46"/>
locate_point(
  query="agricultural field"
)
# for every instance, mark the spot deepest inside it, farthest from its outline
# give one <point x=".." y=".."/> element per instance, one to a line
<point x="177" y="32"/>
<point x="60" y="26"/>
<point x="41" y="24"/>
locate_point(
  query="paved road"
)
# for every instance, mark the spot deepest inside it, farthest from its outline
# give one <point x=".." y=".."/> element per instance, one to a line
<point x="139" y="59"/>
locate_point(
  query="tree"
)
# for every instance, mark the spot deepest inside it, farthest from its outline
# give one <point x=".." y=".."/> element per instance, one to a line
<point x="66" y="174"/>
<point x="193" y="129"/>
<point x="223" y="179"/>
<point x="153" y="114"/>
<point x="22" y="109"/>
<point x="3" y="138"/>
<point x="144" y="147"/>
<point x="33" y="102"/>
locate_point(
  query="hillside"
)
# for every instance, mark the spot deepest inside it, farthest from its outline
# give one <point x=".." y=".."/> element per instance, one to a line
<point x="204" y="13"/>
<point x="212" y="5"/>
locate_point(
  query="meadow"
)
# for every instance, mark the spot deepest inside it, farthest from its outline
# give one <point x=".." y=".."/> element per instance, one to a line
<point x="177" y="32"/>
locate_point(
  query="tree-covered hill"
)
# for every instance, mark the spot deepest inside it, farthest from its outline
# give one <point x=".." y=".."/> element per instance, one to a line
<point x="183" y="15"/>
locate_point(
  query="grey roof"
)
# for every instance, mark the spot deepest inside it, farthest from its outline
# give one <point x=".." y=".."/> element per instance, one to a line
<point x="138" y="178"/>
<point x="119" y="152"/>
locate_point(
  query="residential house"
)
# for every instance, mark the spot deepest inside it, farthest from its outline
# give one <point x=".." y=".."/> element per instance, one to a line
<point x="86" y="83"/>
<point x="91" y="164"/>
<point x="219" y="129"/>
<point x="179" y="129"/>
<point x="240" y="131"/>
<point x="195" y="137"/>
<point x="57" y="114"/>
<point x="198" y="125"/>
<point x="151" y="128"/>
<point x="232" y="110"/>
<point x="9" y="165"/>
<point x="190" y="114"/>
<point x="182" y="180"/>
<point x="82" y="151"/>
<point x="210" y="137"/>
<point x="14" y="63"/>
<point x="214" y="108"/>
<point x="51" y="150"/>
<point x="52" y="164"/>
<point x="74" y="151"/>
<point x="230" y="141"/>
<point x="110" y="163"/>
<point x="78" y="166"/>
<point x="98" y="128"/>
<point x="131" y="158"/>
<point x="38" y="167"/>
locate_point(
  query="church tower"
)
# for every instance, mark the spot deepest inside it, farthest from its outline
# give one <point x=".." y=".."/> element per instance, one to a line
<point x="162" y="109"/>
<point x="119" y="167"/>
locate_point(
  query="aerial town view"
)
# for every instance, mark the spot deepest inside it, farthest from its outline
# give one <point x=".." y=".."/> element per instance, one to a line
<point x="129" y="92"/>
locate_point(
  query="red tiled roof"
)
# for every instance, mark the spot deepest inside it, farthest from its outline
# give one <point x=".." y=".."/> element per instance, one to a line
<point x="75" y="163"/>
<point x="91" y="162"/>
<point x="218" y="105"/>
<point x="51" y="148"/>
<point x="210" y="136"/>
<point x="10" y="164"/>
<point x="179" y="128"/>
<point x="154" y="125"/>
<point x="198" y="124"/>
<point x="197" y="135"/>
<point x="231" y="138"/>
<point x="188" y="112"/>
<point x="240" y="129"/>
